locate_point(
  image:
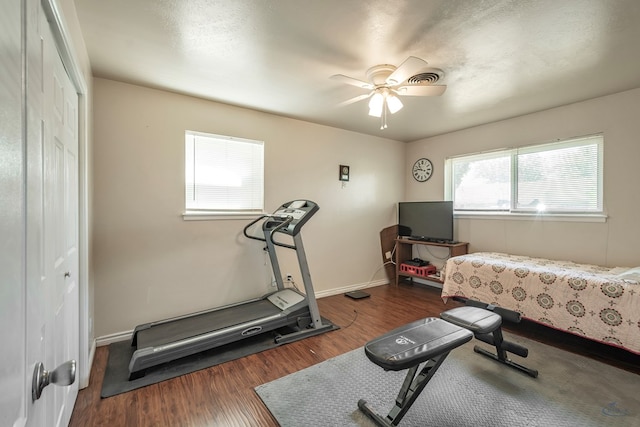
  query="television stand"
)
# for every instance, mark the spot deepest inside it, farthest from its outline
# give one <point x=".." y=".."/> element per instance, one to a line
<point x="404" y="252"/>
<point x="421" y="239"/>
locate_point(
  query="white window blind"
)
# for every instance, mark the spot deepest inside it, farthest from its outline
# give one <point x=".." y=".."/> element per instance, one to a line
<point x="223" y="174"/>
<point x="482" y="182"/>
<point x="560" y="177"/>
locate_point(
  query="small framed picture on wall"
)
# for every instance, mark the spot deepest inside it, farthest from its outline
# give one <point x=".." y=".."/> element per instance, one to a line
<point x="344" y="173"/>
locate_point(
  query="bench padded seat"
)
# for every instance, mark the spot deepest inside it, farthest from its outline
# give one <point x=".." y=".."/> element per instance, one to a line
<point x="416" y="342"/>
<point x="478" y="320"/>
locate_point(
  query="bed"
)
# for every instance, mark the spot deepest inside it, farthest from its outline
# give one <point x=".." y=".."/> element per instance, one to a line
<point x="599" y="303"/>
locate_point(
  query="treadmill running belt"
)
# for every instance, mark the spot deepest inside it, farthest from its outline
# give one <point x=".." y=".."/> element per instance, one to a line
<point x="188" y="327"/>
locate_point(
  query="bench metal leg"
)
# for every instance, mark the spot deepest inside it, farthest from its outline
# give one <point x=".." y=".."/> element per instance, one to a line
<point x="414" y="383"/>
<point x="490" y="333"/>
<point x="502" y="347"/>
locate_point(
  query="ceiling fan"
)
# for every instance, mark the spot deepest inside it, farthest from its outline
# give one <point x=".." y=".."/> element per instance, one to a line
<point x="386" y="83"/>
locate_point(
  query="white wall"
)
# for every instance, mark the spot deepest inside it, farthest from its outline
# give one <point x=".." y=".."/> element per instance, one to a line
<point x="614" y="242"/>
<point x="150" y="264"/>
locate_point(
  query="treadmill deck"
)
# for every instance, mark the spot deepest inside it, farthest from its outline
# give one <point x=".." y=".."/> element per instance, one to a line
<point x="187" y="327"/>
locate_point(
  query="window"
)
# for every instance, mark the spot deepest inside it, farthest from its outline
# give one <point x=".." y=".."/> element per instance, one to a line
<point x="223" y="175"/>
<point x="561" y="177"/>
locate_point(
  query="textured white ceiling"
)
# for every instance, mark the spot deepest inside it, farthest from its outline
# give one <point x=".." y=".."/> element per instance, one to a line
<point x="502" y="58"/>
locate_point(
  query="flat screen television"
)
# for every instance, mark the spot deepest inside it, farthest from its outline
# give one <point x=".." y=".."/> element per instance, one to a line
<point x="429" y="221"/>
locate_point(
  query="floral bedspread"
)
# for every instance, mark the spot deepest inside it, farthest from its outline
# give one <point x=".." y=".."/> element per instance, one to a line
<point x="582" y="299"/>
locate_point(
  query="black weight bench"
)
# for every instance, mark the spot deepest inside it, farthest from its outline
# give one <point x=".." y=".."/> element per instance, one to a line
<point x="427" y="341"/>
<point x="485" y="321"/>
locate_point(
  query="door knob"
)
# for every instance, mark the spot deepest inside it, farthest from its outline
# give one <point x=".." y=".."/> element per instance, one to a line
<point x="67" y="274"/>
<point x="63" y="375"/>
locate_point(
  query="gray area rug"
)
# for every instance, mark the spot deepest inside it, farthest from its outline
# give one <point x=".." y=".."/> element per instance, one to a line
<point x="467" y="390"/>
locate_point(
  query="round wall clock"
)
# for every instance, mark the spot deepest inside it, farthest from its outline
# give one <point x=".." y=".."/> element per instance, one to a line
<point x="422" y="169"/>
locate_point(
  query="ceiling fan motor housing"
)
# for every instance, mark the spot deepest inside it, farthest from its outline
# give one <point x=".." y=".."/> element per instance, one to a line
<point x="378" y="74"/>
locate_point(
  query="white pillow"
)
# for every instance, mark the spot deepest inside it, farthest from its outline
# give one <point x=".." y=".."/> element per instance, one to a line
<point x="631" y="275"/>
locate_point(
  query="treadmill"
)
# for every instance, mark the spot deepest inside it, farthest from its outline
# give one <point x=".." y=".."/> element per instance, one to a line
<point x="167" y="340"/>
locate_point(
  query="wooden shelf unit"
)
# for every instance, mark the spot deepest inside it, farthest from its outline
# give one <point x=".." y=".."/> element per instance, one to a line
<point x="404" y="250"/>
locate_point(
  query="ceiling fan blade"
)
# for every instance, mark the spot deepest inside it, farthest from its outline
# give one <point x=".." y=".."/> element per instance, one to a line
<point x="407" y="69"/>
<point x="426" y="90"/>
<point x="354" y="100"/>
<point x="351" y="81"/>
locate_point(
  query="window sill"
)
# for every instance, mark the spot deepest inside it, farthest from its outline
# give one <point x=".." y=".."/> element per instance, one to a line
<point x="218" y="216"/>
<point x="533" y="217"/>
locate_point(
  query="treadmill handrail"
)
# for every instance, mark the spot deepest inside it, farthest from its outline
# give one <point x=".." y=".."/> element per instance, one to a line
<point x="277" y="228"/>
<point x="244" y="230"/>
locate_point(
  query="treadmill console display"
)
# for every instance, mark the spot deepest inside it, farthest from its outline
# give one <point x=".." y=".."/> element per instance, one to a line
<point x="295" y="213"/>
<point x="299" y="210"/>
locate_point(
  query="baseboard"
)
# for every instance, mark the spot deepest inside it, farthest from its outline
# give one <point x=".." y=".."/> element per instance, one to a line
<point x="336" y="291"/>
<point x="116" y="337"/>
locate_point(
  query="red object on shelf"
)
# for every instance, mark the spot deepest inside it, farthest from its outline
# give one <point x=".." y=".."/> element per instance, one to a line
<point x="418" y="271"/>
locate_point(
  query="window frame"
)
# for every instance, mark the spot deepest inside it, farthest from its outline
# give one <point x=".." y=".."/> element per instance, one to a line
<point x="512" y="212"/>
<point x="219" y="214"/>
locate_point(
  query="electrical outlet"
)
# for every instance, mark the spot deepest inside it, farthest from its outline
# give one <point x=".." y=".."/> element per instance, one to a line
<point x="289" y="278"/>
<point x="388" y="254"/>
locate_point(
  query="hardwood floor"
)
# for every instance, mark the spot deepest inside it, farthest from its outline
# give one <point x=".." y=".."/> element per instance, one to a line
<point x="223" y="395"/>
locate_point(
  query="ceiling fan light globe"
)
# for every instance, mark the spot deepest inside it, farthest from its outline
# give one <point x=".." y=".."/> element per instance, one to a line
<point x="376" y="100"/>
<point x="375" y="112"/>
<point x="394" y="104"/>
<point x="376" y="104"/>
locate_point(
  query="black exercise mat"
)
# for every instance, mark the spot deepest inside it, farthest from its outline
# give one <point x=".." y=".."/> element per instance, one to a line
<point x="116" y="376"/>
